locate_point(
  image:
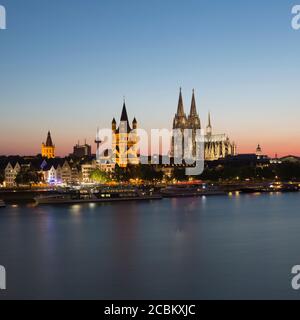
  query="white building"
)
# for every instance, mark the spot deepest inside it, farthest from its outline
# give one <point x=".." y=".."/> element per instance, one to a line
<point x="66" y="172"/>
<point x="86" y="170"/>
<point x="53" y="174"/>
<point x="10" y="174"/>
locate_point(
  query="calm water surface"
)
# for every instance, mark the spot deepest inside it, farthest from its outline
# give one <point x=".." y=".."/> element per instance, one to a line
<point x="193" y="248"/>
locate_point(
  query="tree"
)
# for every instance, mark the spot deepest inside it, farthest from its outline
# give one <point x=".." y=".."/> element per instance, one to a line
<point x="149" y="173"/>
<point x="131" y="172"/>
<point x="99" y="176"/>
<point x="27" y="177"/>
<point x="121" y="174"/>
<point x="179" y="174"/>
<point x="288" y="171"/>
<point x="1" y="177"/>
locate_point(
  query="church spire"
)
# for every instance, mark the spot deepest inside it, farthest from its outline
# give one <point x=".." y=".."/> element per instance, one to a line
<point x="209" y="122"/>
<point x="180" y="109"/>
<point x="193" y="111"/>
<point x="209" y="127"/>
<point x="124" y="122"/>
<point x="49" y="142"/>
<point x="124" y="116"/>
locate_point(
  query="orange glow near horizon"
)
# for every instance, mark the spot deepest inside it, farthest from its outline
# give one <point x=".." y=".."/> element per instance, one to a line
<point x="64" y="148"/>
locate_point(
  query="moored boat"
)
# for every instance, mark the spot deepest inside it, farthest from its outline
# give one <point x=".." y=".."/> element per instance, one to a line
<point x="191" y="191"/>
<point x="106" y="195"/>
<point x="2" y="204"/>
<point x="270" y="188"/>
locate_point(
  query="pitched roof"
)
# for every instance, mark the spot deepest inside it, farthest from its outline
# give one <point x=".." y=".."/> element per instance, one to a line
<point x="55" y="162"/>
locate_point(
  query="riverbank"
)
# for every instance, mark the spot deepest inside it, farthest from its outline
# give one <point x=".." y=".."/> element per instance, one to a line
<point x="28" y="195"/>
<point x="23" y="196"/>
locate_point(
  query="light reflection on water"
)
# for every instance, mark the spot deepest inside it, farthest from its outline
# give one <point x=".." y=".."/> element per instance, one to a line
<point x="241" y="246"/>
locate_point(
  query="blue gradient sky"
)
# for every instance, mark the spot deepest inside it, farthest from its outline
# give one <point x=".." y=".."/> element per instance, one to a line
<point x="65" y="66"/>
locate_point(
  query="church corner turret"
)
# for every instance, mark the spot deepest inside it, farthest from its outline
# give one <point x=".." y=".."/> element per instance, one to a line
<point x="134" y="123"/>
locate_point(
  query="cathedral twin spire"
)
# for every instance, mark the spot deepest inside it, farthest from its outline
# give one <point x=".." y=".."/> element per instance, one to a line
<point x="180" y="109"/>
<point x="181" y="121"/>
<point x="193" y="112"/>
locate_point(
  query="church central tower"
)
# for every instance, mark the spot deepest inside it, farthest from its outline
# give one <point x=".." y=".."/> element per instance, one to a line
<point x="124" y="141"/>
<point x="48" y="148"/>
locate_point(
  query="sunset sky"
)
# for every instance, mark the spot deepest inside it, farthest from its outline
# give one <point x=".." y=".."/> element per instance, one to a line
<point x="66" y="65"/>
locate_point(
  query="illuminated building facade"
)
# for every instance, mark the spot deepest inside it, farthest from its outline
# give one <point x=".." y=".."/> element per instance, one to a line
<point x="124" y="141"/>
<point x="11" y="171"/>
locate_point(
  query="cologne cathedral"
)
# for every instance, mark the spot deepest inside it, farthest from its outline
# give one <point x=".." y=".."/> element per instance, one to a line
<point x="216" y="146"/>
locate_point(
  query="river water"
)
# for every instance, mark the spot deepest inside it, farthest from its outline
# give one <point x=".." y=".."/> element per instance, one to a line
<point x="222" y="247"/>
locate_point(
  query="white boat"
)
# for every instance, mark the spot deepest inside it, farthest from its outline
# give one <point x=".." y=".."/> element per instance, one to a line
<point x="2" y="204"/>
